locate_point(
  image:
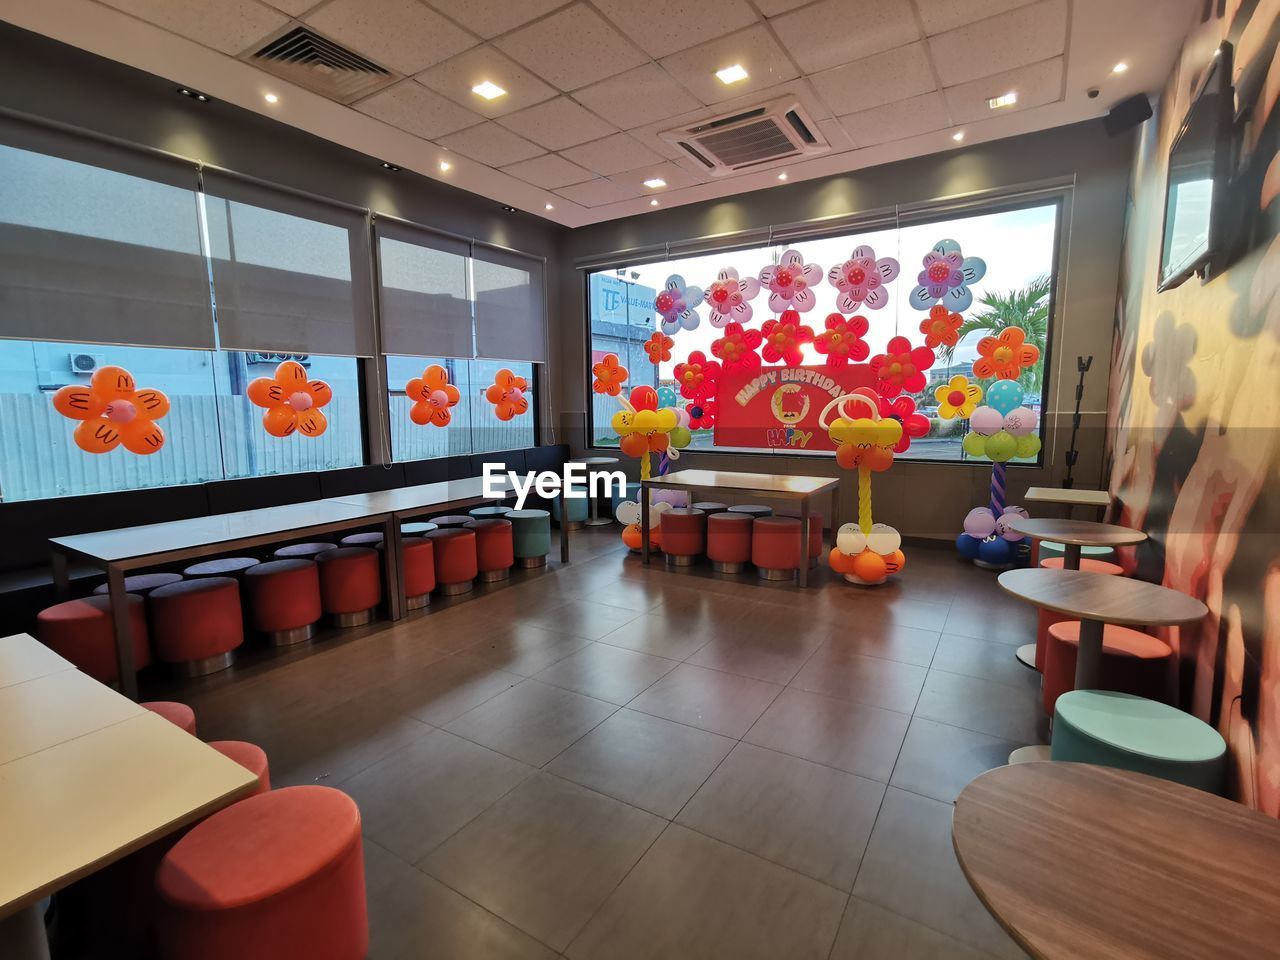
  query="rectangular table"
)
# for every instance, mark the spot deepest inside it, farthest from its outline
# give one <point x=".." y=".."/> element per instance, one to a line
<point x="773" y="485"/>
<point x="1071" y="497"/>
<point x="23" y="658"/>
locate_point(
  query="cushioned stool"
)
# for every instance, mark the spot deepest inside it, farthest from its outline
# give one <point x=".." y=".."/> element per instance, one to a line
<point x="1132" y="733"/>
<point x="250" y="756"/>
<point x="530" y="537"/>
<point x="775" y="547"/>
<point x="752" y="510"/>
<point x="82" y="632"/>
<point x="1044" y="549"/>
<point x="417" y="528"/>
<point x="451" y="520"/>
<point x="350" y="585"/>
<point x="308" y="550"/>
<point x="1132" y="662"/>
<point x="684" y="535"/>
<point x="710" y="506"/>
<point x="141" y="583"/>
<point x="280" y="874"/>
<point x="1048" y="618"/>
<point x="419" y="569"/>
<point x="487" y="513"/>
<point x="179" y="714"/>
<point x="729" y="541"/>
<point x="367" y="538"/>
<point x="495" y="551"/>
<point x="577" y="508"/>
<point x="196" y="624"/>
<point x="284" y="599"/>
<point x="455" y="558"/>
<point x="222" y="567"/>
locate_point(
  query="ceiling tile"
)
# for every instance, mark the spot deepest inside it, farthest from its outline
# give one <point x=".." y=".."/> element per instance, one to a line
<point x="557" y="124"/>
<point x="597" y="193"/>
<point x="940" y="15"/>
<point x="413" y="108"/>
<point x="771" y="8"/>
<point x="833" y="32"/>
<point x="836" y="135"/>
<point x="638" y="96"/>
<point x="232" y="26"/>
<point x="676" y="178"/>
<point x="549" y="171"/>
<point x="869" y="82"/>
<point x="295" y="8"/>
<point x="490" y="144"/>
<point x="455" y="78"/>
<point x="612" y="154"/>
<point x="897" y="121"/>
<point x="753" y="48"/>
<point x="572" y="48"/>
<point x="1027" y="35"/>
<point x="489" y="18"/>
<point x="648" y="134"/>
<point x="401" y="34"/>
<point x="683" y="23"/>
<point x="1037" y="84"/>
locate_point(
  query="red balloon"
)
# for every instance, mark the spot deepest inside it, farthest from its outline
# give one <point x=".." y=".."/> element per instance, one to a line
<point x="644" y="398"/>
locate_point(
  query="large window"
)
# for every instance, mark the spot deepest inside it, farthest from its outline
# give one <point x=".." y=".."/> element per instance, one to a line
<point x="1018" y="245"/>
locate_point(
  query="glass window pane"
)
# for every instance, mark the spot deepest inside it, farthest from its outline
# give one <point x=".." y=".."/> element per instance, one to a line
<point x="490" y="433"/>
<point x="412" y="441"/>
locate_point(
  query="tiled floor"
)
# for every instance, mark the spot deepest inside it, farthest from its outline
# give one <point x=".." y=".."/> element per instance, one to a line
<point x="604" y="760"/>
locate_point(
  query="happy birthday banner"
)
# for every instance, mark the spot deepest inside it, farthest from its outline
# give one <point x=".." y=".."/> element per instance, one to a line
<point x="778" y="407"/>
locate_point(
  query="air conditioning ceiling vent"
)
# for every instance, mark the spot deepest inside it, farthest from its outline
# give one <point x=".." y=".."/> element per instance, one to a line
<point x="774" y="132"/>
<point x="302" y="56"/>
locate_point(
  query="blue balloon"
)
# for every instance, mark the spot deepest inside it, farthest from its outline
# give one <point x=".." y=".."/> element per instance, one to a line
<point x="967" y="546"/>
<point x="667" y="397"/>
<point x="1005" y="396"/>
<point x="995" y="551"/>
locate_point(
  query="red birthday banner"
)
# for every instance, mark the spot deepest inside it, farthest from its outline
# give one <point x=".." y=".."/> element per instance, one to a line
<point x="778" y="407"/>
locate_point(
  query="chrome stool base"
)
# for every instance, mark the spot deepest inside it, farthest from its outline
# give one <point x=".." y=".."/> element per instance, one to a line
<point x="456" y="589"/>
<point x="493" y="576"/>
<point x="675" y="560"/>
<point x="418" y="602"/>
<point x="776" y="573"/>
<point x="722" y="566"/>
<point x="530" y="562"/>
<point x="202" y="668"/>
<point x="287" y="638"/>
<point x="357" y="619"/>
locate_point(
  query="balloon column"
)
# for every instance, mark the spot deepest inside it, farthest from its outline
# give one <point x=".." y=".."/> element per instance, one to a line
<point x="112" y="411"/>
<point x="292" y="401"/>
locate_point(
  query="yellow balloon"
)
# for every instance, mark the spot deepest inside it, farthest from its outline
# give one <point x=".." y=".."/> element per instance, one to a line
<point x="646" y="421"/>
<point x="622" y="422"/>
<point x="667" y="419"/>
<point x="889" y="432"/>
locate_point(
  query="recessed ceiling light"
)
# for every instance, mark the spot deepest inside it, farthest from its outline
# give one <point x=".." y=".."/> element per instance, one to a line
<point x="1120" y="67"/>
<point x="550" y="207"/>
<point x="489" y="90"/>
<point x="958" y="136"/>
<point x="1005" y="100"/>
<point x="194" y="94"/>
<point x="655" y="183"/>
<point x="509" y="209"/>
<point x="390" y="166"/>
<point x="732" y="74"/>
<point x="270" y="98"/>
<point x="445" y="166"/>
<point x="782" y="175"/>
<point x="653" y="202"/>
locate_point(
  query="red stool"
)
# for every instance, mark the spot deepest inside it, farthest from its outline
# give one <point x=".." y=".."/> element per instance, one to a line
<point x="141" y="583"/>
<point x="284" y="599"/>
<point x="455" y="558"/>
<point x="280" y="874"/>
<point x="729" y="541"/>
<point x="1132" y="662"/>
<point x="82" y="632"/>
<point x="197" y="623"/>
<point x="495" y="548"/>
<point x="419" y="571"/>
<point x="250" y="756"/>
<point x="775" y="547"/>
<point x="222" y="567"/>
<point x="451" y="520"/>
<point x="370" y="538"/>
<point x="1048" y="618"/>
<point x="179" y="714"/>
<point x="307" y="550"/>
<point x="350" y="584"/>
<point x="684" y="535"/>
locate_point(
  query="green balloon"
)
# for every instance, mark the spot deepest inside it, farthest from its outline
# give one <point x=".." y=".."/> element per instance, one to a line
<point x="1002" y="447"/>
<point x="1029" y="445"/>
<point x="975" y="444"/>
<point x="681" y="437"/>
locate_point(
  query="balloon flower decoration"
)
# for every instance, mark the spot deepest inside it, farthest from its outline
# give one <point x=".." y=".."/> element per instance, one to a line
<point x="643" y="426"/>
<point x="112" y="412"/>
<point x="292" y="401"/>
<point x="865" y="552"/>
<point x="507" y="394"/>
<point x="677" y="305"/>
<point x="434" y="397"/>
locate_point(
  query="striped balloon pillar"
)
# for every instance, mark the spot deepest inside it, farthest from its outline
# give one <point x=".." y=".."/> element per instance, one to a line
<point x="997" y="489"/>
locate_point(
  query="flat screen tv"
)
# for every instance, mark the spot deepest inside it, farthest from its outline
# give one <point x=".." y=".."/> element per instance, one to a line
<point x="1199" y="166"/>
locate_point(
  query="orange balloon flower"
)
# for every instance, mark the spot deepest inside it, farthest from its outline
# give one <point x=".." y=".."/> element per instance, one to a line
<point x="506" y="393"/>
<point x="293" y="402"/>
<point x="609" y="375"/>
<point x="1004" y="357"/>
<point x="658" y="347"/>
<point x="433" y="395"/>
<point x="113" y="411"/>
<point x="941" y="328"/>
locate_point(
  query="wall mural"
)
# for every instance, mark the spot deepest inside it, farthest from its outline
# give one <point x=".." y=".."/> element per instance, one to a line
<point x="1195" y="451"/>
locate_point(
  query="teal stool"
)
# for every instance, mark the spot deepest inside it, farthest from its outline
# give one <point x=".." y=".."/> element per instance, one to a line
<point x="489" y="513"/>
<point x="1051" y="548"/>
<point x="1133" y="733"/>
<point x="577" y="507"/>
<point x="417" y="528"/>
<point x="530" y="536"/>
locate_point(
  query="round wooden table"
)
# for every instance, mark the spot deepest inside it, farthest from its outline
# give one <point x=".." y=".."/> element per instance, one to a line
<point x="1079" y="862"/>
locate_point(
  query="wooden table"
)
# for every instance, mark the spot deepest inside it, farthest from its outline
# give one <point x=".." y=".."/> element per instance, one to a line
<point x="1079" y="862"/>
<point x="1071" y="497"/>
<point x="773" y="485"/>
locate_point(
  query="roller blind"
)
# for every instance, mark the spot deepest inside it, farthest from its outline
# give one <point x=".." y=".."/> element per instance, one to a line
<point x="99" y="243"/>
<point x="424" y="303"/>
<point x="290" y="274"/>
<point x="510" y="316"/>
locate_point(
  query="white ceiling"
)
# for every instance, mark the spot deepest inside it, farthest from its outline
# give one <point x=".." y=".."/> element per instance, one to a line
<point x="590" y="83"/>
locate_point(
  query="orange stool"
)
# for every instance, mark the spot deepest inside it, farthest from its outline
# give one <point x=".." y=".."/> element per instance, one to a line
<point x="495" y="548"/>
<point x="141" y="583"/>
<point x="684" y="535"/>
<point x="221" y="567"/>
<point x="729" y="541"/>
<point x="1132" y="662"/>
<point x="419" y="571"/>
<point x="455" y="557"/>
<point x="308" y="550"/>
<point x="197" y="624"/>
<point x="82" y="632"/>
<point x="451" y="520"/>
<point x="775" y="547"/>
<point x="250" y="756"/>
<point x="280" y="874"/>
<point x="1048" y="617"/>
<point x="370" y="538"/>
<point x="284" y="599"/>
<point x="350" y="584"/>
<point x="179" y="714"/>
<point x="711" y="506"/>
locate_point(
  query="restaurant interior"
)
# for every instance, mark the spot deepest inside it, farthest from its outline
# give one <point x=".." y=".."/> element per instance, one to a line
<point x="606" y="480"/>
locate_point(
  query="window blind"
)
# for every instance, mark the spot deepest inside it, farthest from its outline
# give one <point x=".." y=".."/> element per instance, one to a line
<point x="423" y="297"/>
<point x="510" y="314"/>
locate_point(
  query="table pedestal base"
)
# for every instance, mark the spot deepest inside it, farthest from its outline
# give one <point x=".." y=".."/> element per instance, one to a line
<point x="1030" y="754"/>
<point x="1026" y="655"/>
<point x="22" y="935"/>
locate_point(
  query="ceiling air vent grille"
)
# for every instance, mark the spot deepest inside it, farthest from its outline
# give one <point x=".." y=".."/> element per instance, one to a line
<point x="304" y="57"/>
<point x="772" y="133"/>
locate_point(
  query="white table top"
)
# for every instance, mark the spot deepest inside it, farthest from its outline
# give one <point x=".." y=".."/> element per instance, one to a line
<point x="778" y="485"/>
<point x="23" y="658"/>
<point x="1071" y="496"/>
<point x="49" y="710"/>
<point x="422" y="496"/>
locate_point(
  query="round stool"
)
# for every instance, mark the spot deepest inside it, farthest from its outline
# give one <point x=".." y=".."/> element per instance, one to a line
<point x="418" y="560"/>
<point x="307" y="550"/>
<point x="284" y="599"/>
<point x="82" y="632"/>
<point x="1048" y="618"/>
<point x="488" y="513"/>
<point x="369" y="538"/>
<point x="196" y="624"/>
<point x="280" y="874"/>
<point x="729" y="541"/>
<point x="1121" y="730"/>
<point x="179" y="714"/>
<point x="495" y="551"/>
<point x="684" y="535"/>
<point x="350" y="585"/>
<point x="1044" y="549"/>
<point x="417" y="528"/>
<point x="450" y="521"/>
<point x="752" y="510"/>
<point x="250" y="756"/>
<point x="141" y="583"/>
<point x="530" y="537"/>
<point x="775" y="547"/>
<point x="1132" y="662"/>
<point x="455" y="557"/>
<point x="222" y="567"/>
<point x="710" y="507"/>
<point x="577" y="508"/>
